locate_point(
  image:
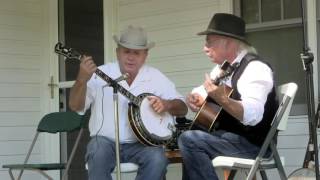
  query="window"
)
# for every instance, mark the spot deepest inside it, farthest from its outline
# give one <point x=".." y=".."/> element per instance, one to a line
<point x="274" y="27"/>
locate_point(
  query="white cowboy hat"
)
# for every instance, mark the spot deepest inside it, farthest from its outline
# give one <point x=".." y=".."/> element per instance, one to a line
<point x="134" y="38"/>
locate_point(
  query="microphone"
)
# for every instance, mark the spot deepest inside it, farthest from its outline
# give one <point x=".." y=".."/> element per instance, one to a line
<point x="122" y="77"/>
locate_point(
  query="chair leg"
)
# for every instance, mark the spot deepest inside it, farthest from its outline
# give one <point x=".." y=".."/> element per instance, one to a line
<point x="28" y="154"/>
<point x="75" y="146"/>
<point x="254" y="176"/>
<point x="226" y="174"/>
<point x="229" y="175"/>
<point x="278" y="162"/>
<point x="263" y="175"/>
<point x="43" y="174"/>
<point x="11" y="174"/>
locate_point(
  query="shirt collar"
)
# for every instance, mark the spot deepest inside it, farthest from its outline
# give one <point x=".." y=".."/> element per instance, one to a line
<point x="240" y="56"/>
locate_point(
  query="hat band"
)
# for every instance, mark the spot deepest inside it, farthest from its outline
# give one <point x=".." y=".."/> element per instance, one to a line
<point x="128" y="43"/>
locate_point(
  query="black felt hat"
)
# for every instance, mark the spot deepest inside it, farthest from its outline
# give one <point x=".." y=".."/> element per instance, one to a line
<point x="226" y="25"/>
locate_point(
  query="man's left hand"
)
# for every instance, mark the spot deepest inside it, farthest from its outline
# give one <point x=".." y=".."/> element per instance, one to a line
<point x="217" y="93"/>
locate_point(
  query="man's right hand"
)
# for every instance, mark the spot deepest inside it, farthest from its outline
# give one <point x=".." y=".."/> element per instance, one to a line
<point x="194" y="101"/>
<point x="87" y="68"/>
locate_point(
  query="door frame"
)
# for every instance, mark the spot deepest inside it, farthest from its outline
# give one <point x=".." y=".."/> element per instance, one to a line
<point x="50" y="151"/>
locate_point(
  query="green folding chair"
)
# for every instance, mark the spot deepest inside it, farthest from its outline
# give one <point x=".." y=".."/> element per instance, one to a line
<point x="55" y="122"/>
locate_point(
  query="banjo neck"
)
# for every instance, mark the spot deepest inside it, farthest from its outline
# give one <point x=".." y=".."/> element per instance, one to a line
<point x="73" y="54"/>
<point x="118" y="87"/>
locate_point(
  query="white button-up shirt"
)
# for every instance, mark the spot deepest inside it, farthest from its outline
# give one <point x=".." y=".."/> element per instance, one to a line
<point x="100" y="98"/>
<point x="254" y="85"/>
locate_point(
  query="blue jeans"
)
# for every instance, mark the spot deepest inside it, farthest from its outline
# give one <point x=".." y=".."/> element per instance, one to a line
<point x="198" y="148"/>
<point x="101" y="159"/>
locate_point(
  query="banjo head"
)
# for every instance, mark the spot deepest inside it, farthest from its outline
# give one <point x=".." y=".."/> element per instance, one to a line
<point x="158" y="126"/>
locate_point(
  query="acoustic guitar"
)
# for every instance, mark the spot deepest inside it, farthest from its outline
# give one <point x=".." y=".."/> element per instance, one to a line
<point x="210" y="110"/>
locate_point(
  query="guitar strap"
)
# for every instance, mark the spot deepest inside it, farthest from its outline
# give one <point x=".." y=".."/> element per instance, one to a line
<point x="238" y="72"/>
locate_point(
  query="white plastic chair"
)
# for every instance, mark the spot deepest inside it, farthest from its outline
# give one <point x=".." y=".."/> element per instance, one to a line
<point x="124" y="167"/>
<point x="127" y="168"/>
<point x="287" y="93"/>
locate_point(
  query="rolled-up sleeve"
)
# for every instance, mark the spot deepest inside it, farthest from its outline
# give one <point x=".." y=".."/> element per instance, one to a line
<point x="254" y="85"/>
<point x="90" y="94"/>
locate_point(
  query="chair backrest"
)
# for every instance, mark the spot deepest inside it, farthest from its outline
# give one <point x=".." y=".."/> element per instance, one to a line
<point x="285" y="91"/>
<point x="61" y="122"/>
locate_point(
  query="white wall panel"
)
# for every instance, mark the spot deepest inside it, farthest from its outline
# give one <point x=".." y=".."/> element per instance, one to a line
<point x="19" y="90"/>
<point x="19" y="76"/>
<point x="19" y="119"/>
<point x="176" y="49"/>
<point x="31" y="175"/>
<point x="174" y="18"/>
<point x="186" y="62"/>
<point x="19" y="61"/>
<point x="20" y="104"/>
<point x="21" y="147"/>
<point x="136" y="9"/>
<point x="22" y="133"/>
<point x="24" y="37"/>
<point x="21" y="7"/>
<point x="292" y="144"/>
<point x="12" y="47"/>
<point x="18" y="158"/>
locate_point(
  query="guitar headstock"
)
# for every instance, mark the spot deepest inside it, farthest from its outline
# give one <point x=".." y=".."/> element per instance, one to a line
<point x="66" y="52"/>
<point x="226" y="70"/>
<point x="229" y="70"/>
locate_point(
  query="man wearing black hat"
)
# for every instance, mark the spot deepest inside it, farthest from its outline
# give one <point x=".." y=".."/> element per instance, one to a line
<point x="247" y="113"/>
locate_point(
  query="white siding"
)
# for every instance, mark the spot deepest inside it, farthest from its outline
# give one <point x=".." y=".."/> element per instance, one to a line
<point x="292" y="143"/>
<point x="173" y="26"/>
<point x="23" y="39"/>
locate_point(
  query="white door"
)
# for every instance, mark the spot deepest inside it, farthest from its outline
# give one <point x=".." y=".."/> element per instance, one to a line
<point x="50" y="144"/>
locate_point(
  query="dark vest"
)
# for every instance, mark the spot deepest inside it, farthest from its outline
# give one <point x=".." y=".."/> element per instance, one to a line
<point x="255" y="134"/>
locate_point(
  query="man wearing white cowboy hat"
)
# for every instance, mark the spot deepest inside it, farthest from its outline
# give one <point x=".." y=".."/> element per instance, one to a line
<point x="89" y="91"/>
<point x="247" y="113"/>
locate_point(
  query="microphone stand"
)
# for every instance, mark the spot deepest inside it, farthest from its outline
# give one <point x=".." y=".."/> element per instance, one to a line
<point x="116" y="123"/>
<point x="114" y="84"/>
<point x="307" y="59"/>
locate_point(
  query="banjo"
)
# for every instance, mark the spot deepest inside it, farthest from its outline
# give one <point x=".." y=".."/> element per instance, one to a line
<point x="150" y="128"/>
